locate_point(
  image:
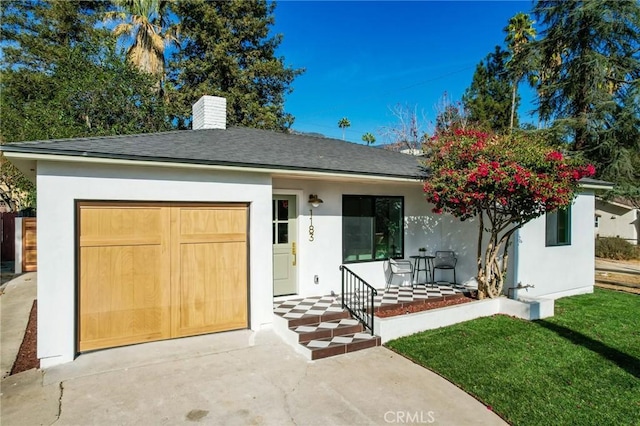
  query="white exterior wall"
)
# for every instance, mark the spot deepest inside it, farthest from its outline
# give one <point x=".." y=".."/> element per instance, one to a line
<point x="617" y="221"/>
<point x="59" y="185"/>
<point x="323" y="256"/>
<point x="558" y="271"/>
<point x="18" y="246"/>
<point x="563" y="269"/>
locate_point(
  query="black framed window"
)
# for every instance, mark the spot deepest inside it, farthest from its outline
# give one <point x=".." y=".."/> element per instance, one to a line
<point x="558" y="227"/>
<point x="372" y="228"/>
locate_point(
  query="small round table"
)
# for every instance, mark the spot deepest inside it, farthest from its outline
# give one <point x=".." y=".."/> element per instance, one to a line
<point x="422" y="263"/>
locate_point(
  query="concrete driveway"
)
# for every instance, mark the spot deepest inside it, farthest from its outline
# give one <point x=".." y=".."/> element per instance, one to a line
<point x="235" y="378"/>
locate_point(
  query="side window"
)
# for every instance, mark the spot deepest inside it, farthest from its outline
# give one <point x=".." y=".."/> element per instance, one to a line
<point x="558" y="227"/>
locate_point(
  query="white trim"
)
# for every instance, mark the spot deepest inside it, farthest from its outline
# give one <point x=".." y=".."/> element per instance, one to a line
<point x="284" y="172"/>
<point x="603" y="187"/>
<point x="404" y="325"/>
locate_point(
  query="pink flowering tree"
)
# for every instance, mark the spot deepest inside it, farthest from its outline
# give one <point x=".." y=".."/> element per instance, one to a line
<point x="504" y="182"/>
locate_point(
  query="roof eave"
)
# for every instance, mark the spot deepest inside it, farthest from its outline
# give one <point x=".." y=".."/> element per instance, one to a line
<point x="86" y="157"/>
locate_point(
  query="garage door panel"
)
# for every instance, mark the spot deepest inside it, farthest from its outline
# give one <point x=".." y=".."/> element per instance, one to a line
<point x="121" y="222"/>
<point x="213" y="288"/>
<point x="124" y="275"/>
<point x="206" y="220"/>
<point x="123" y="296"/>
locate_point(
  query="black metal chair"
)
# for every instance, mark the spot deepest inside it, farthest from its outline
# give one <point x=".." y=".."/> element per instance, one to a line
<point x="398" y="267"/>
<point x="445" y="260"/>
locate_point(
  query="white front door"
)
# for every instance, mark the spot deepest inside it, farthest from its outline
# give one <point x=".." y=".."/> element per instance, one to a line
<point x="284" y="219"/>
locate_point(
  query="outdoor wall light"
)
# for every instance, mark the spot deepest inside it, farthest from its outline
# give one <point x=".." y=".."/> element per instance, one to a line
<point x="314" y="200"/>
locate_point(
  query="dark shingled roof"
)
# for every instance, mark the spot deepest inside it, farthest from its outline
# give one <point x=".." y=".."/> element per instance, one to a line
<point x="236" y="146"/>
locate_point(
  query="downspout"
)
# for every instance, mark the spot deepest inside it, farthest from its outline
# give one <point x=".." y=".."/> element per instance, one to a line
<point x="516" y="264"/>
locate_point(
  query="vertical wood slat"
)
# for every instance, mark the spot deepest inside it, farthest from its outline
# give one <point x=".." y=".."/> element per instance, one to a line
<point x="29" y="244"/>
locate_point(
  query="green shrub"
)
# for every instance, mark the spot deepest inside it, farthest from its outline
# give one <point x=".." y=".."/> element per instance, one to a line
<point x="616" y="248"/>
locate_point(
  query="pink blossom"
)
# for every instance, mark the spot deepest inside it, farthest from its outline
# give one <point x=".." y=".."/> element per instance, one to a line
<point x="554" y="156"/>
<point x="590" y="170"/>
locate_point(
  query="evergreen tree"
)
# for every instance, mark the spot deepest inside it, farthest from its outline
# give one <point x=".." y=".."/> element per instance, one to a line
<point x="488" y="99"/>
<point x="227" y="51"/>
<point x="61" y="77"/>
<point x="592" y="80"/>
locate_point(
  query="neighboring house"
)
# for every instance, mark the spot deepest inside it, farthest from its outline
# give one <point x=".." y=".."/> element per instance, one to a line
<point x="617" y="218"/>
<point x="172" y="234"/>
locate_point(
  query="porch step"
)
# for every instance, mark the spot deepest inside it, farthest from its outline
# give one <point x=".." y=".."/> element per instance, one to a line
<point x="321" y="328"/>
<point x="338" y="345"/>
<point x="327" y="329"/>
<point x="307" y="319"/>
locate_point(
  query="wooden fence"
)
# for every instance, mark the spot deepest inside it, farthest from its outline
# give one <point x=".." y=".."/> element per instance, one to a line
<point x="29" y="244"/>
<point x="8" y="236"/>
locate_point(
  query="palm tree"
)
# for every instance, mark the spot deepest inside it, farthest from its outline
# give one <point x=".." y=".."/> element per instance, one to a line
<point x="369" y="138"/>
<point x="520" y="33"/>
<point x="546" y="68"/>
<point x="343" y="124"/>
<point x="145" y="22"/>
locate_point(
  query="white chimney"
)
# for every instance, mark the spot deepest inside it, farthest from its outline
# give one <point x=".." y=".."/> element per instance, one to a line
<point x="210" y="112"/>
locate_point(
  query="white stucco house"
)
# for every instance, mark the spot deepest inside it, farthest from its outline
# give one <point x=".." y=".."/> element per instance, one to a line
<point x="617" y="218"/>
<point x="164" y="235"/>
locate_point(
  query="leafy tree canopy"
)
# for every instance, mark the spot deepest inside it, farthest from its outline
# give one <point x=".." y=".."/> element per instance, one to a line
<point x="504" y="181"/>
<point x="62" y="77"/>
<point x="589" y="82"/>
<point x="368" y="138"/>
<point x="227" y="51"/>
<point x="488" y="99"/>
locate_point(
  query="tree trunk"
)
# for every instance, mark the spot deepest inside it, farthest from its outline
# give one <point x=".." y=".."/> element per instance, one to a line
<point x="480" y="277"/>
<point x="492" y="271"/>
<point x="513" y="105"/>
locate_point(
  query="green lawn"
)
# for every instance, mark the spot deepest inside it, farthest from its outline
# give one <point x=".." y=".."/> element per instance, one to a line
<point x="581" y="367"/>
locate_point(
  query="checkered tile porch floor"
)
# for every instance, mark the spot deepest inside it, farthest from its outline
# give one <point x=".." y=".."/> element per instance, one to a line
<point x="320" y="305"/>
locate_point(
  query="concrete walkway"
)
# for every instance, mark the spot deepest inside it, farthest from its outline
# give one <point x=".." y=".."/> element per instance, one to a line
<point x="15" y="306"/>
<point x="235" y="378"/>
<point x="620" y="267"/>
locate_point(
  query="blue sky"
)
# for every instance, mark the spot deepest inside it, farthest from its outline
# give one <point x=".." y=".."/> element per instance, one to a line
<point x="361" y="58"/>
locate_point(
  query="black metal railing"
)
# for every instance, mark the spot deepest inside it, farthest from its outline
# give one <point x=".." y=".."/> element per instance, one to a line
<point x="357" y="297"/>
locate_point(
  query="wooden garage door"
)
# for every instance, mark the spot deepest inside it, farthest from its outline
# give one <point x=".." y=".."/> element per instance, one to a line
<point x="152" y="272"/>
